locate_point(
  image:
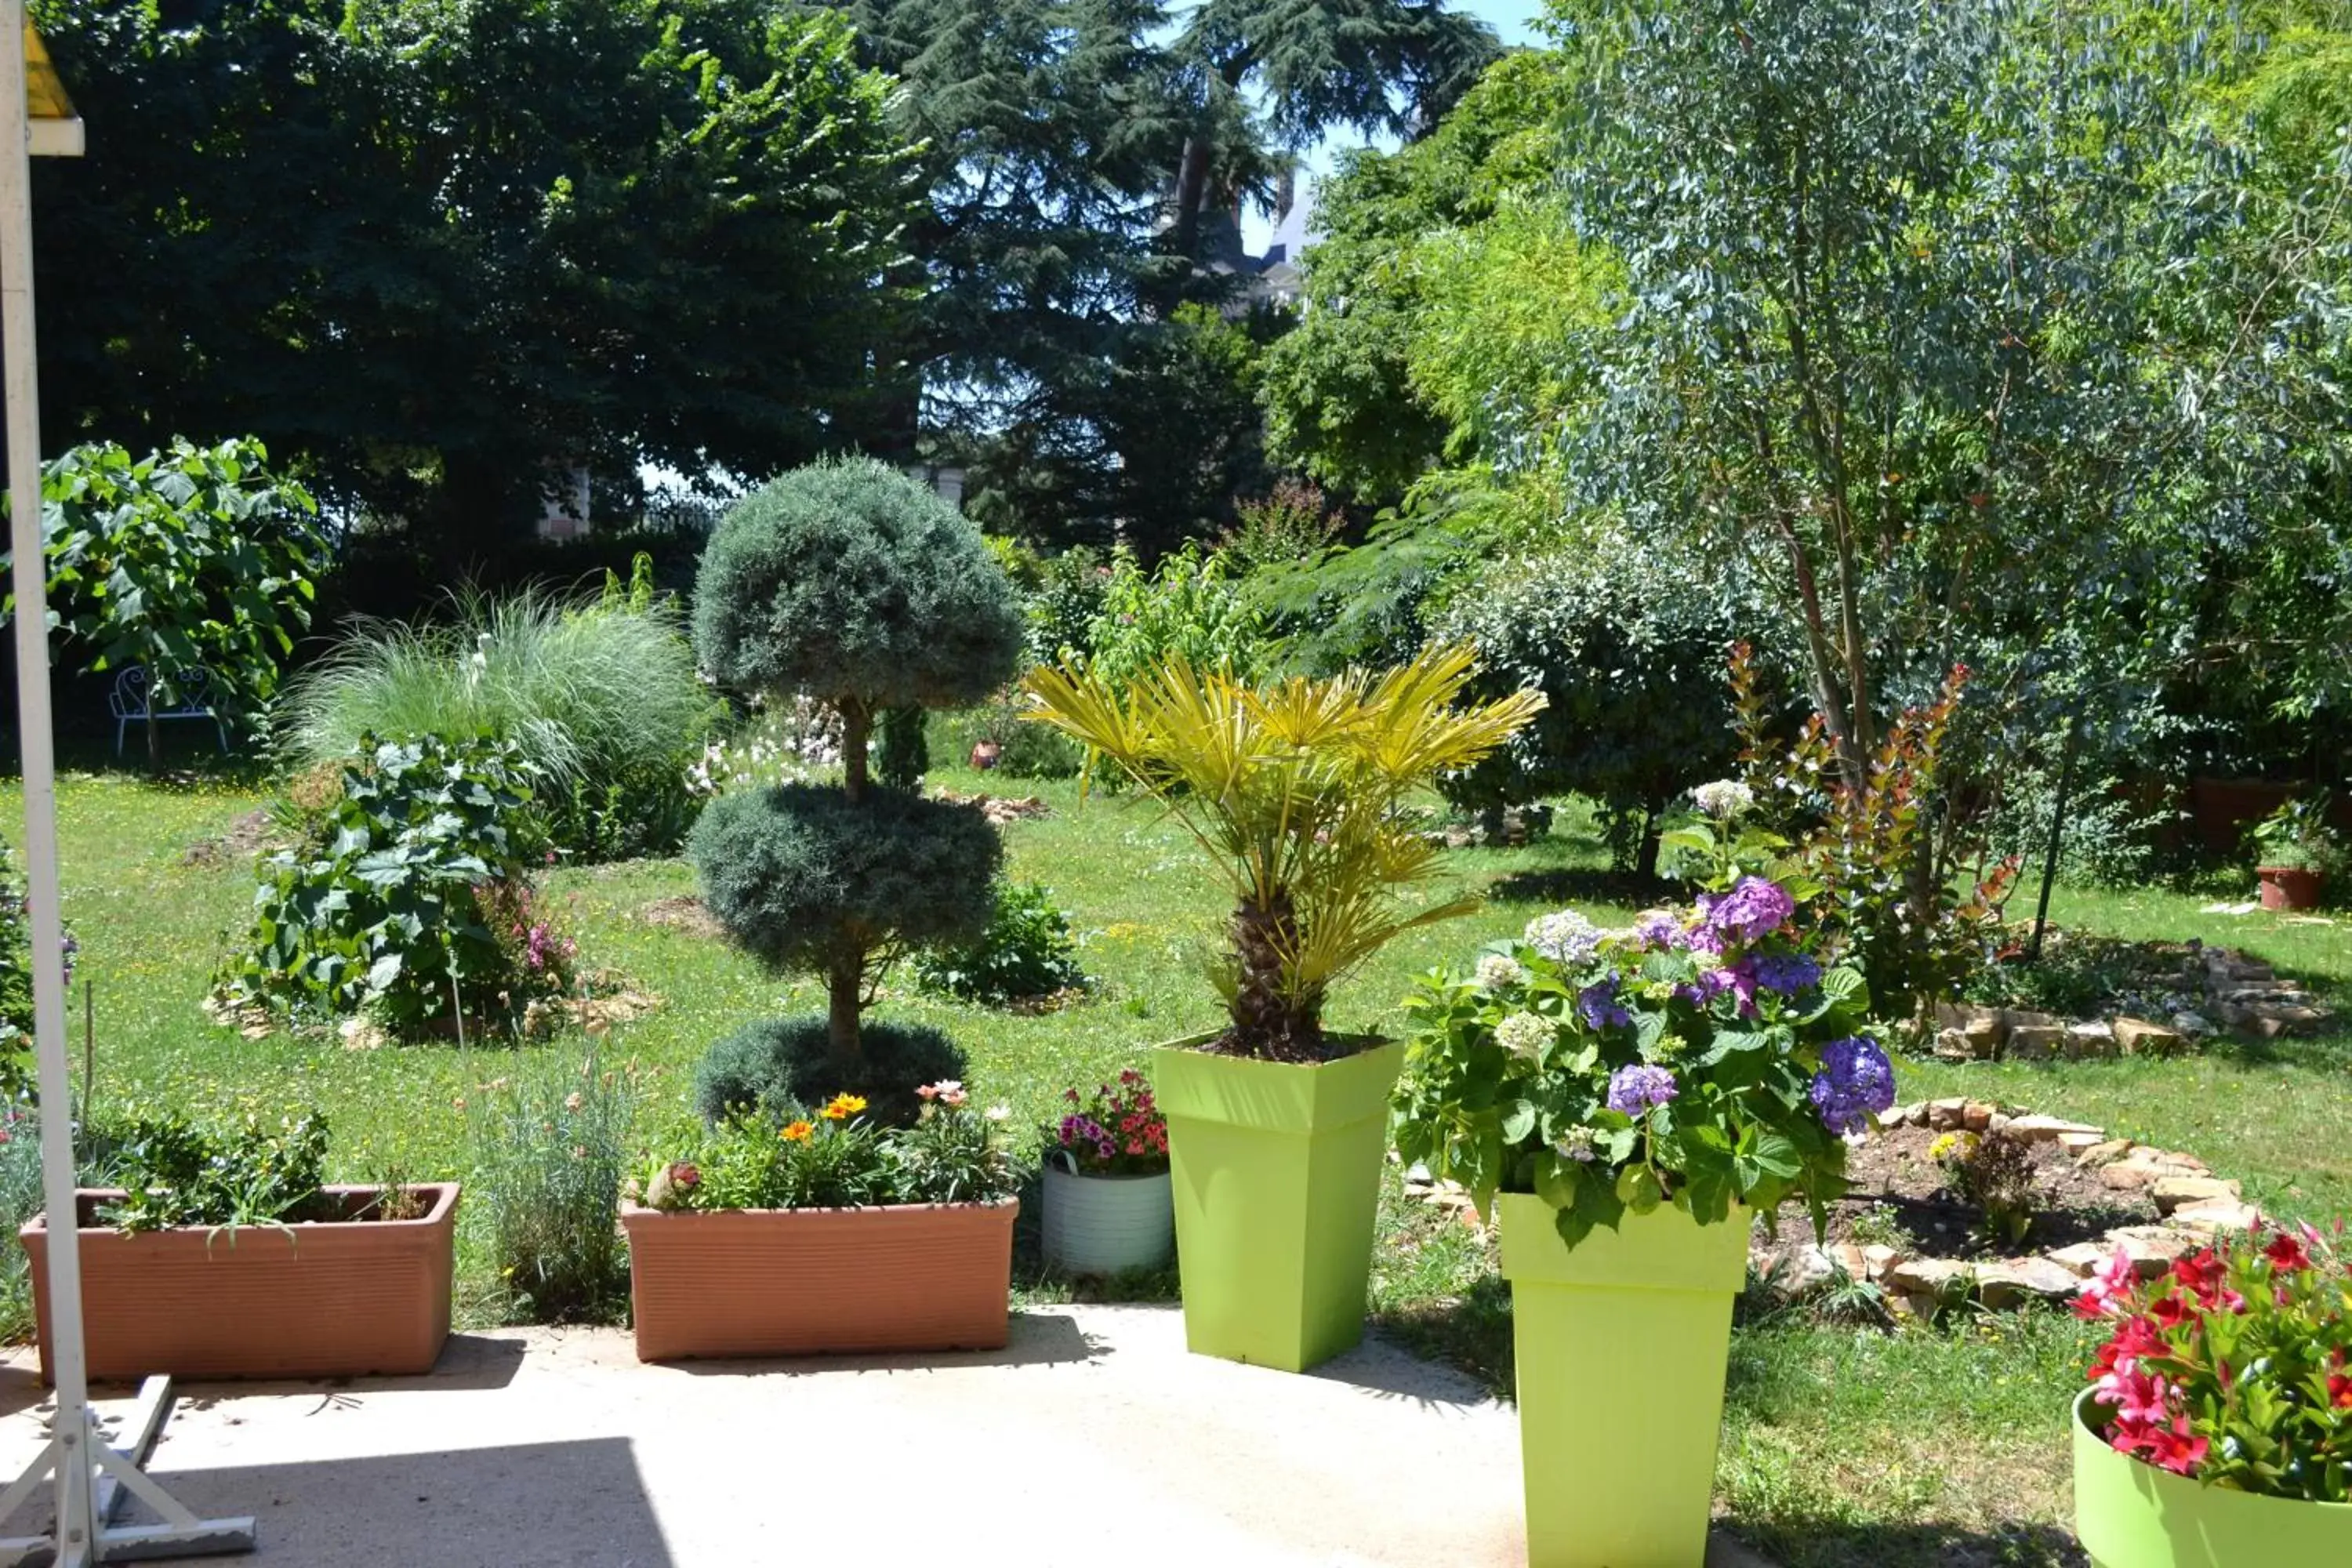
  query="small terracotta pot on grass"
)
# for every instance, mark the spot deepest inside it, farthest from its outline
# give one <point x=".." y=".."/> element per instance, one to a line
<point x="770" y="1282"/>
<point x="343" y="1298"/>
<point x="2290" y="887"/>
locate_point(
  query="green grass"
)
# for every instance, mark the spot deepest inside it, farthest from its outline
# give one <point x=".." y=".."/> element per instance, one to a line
<point x="1843" y="1447"/>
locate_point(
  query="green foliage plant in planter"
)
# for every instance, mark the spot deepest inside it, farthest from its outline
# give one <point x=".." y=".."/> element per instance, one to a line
<point x="1631" y="1101"/>
<point x="223" y="1254"/>
<point x="1109" y="1207"/>
<point x="797" y="1232"/>
<point x="2217" y="1429"/>
<point x="2296" y="852"/>
<point x="850" y="584"/>
<point x="1296" y="789"/>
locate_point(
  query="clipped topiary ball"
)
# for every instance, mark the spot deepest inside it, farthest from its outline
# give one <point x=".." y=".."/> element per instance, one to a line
<point x="849" y="581"/>
<point x="801" y="875"/>
<point x="785" y="1061"/>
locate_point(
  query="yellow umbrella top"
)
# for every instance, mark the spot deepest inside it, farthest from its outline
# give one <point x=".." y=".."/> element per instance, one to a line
<point x="47" y="93"/>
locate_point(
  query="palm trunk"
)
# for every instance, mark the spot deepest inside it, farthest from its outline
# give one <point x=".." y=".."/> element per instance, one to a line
<point x="1271" y="1020"/>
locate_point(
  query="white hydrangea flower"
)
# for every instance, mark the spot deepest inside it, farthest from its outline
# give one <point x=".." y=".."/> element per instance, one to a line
<point x="1724" y="799"/>
<point x="1576" y="1143"/>
<point x="1498" y="970"/>
<point x="1525" y="1035"/>
<point x="1564" y="937"/>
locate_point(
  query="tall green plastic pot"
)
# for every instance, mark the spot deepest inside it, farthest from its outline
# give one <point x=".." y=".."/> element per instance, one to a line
<point x="1620" y="1345"/>
<point x="1277" y="1176"/>
<point x="2128" y="1514"/>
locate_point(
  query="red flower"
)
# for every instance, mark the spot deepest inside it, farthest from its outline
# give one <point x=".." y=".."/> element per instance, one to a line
<point x="2172" y="1310"/>
<point x="2340" y="1390"/>
<point x="2286" y="1254"/>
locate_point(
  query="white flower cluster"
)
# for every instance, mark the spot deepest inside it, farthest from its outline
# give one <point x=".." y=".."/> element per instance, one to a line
<point x="1724" y="799"/>
<point x="1525" y="1035"/>
<point x="1576" y="1143"/>
<point x="1498" y="971"/>
<point x="1564" y="937"/>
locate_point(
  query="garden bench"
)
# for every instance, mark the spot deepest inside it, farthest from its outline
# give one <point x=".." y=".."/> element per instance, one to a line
<point x="133" y="700"/>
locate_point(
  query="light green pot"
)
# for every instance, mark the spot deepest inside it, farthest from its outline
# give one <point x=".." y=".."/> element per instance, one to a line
<point x="2128" y="1514"/>
<point x="1621" y="1346"/>
<point x="1277" y="1176"/>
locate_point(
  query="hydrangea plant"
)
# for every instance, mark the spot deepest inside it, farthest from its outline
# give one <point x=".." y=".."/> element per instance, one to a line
<point x="1704" y="1057"/>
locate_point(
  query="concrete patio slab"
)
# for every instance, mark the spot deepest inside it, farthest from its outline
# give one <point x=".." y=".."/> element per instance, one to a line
<point x="1092" y="1438"/>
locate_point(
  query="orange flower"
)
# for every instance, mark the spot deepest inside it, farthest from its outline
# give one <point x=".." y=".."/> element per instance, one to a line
<point x="842" y="1108"/>
<point x="797" y="1131"/>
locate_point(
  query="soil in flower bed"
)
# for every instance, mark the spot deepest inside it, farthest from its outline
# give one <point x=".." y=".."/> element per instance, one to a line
<point x="1895" y="1179"/>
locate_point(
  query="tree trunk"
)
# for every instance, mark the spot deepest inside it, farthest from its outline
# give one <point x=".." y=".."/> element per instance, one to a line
<point x="846" y="985"/>
<point x="154" y="736"/>
<point x="857" y="735"/>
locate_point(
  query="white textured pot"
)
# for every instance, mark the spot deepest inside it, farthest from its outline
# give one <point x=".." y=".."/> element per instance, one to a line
<point x="1108" y="1225"/>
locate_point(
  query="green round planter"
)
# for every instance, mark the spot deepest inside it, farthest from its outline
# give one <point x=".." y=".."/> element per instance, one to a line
<point x="2128" y="1514"/>
<point x="1619" y="1345"/>
<point x="1277" y="1179"/>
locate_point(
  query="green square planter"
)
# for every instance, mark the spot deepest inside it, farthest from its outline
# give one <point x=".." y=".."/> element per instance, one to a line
<point x="1620" y="1345"/>
<point x="2128" y="1514"/>
<point x="1277" y="1176"/>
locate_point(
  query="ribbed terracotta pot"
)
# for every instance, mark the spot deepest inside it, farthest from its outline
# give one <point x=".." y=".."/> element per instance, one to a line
<point x="1108" y="1225"/>
<point x="2290" y="887"/>
<point x="330" y="1299"/>
<point x="764" y="1282"/>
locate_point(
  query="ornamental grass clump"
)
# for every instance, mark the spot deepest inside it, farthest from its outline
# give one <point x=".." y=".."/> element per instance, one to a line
<point x="1297" y="790"/>
<point x="2234" y="1366"/>
<point x="1704" y="1058"/>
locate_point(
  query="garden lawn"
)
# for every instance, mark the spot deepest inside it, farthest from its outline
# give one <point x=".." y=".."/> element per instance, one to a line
<point x="1843" y="1446"/>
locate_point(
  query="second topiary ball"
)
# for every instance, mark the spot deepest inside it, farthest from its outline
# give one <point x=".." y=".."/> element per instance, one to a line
<point x="851" y="584"/>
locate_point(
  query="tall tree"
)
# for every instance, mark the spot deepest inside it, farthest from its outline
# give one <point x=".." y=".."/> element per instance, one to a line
<point x="437" y="251"/>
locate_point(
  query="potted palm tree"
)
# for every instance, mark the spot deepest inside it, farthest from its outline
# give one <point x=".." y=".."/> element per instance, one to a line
<point x="1295" y="789"/>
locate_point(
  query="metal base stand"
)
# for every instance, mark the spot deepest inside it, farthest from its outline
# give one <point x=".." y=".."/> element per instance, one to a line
<point x="119" y="1475"/>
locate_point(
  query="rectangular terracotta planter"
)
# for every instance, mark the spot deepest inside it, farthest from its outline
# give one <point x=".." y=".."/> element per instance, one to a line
<point x="764" y="1282"/>
<point x="325" y="1299"/>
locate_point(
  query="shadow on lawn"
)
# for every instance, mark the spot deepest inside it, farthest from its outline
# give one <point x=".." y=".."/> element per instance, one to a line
<point x="1568" y="887"/>
<point x="1822" y="1544"/>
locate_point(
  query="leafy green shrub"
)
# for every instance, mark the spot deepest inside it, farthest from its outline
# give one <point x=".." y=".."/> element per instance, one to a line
<point x="1022" y="750"/>
<point x="600" y="698"/>
<point x="551" y="1154"/>
<point x="17" y="1069"/>
<point x="21" y="1198"/>
<point x="415" y="867"/>
<point x="1293" y="524"/>
<point x="191" y="557"/>
<point x="1026" y="952"/>
<point x="781" y="1062"/>
<point x="905" y="754"/>
<point x="835" y="1158"/>
<point x="2110" y="840"/>
<point x="174" y="1173"/>
<point x="848" y="584"/>
<point x="1060" y="610"/>
<point x="1191" y="607"/>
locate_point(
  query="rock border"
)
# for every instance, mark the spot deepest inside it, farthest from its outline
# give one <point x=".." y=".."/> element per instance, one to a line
<point x="2194" y="1204"/>
<point x="2230" y="991"/>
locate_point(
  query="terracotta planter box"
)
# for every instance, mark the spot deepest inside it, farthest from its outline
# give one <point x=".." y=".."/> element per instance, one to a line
<point x="768" y="1282"/>
<point x="329" y="1299"/>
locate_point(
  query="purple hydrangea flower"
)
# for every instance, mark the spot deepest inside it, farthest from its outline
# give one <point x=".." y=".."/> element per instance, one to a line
<point x="1754" y="909"/>
<point x="1634" y="1090"/>
<point x="1656" y="928"/>
<point x="1786" y="974"/>
<point x="1600" y="1007"/>
<point x="1710" y="984"/>
<point x="1856" y="1081"/>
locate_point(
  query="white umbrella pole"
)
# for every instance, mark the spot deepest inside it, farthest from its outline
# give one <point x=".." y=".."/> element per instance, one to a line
<point x="83" y="1532"/>
<point x="75" y="1525"/>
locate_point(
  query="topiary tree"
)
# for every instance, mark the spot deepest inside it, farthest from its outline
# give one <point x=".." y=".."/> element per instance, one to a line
<point x="851" y="584"/>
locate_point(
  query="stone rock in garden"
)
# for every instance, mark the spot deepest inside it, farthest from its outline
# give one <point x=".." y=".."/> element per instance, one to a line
<point x="1944" y="1115"/>
<point x="2106" y="1154"/>
<point x="2088" y="1041"/>
<point x="2016" y="1019"/>
<point x="1952" y="1046"/>
<point x="2076" y="1143"/>
<point x="1806" y="1268"/>
<point x="2084" y="1259"/>
<point x="1933" y="1277"/>
<point x="2210" y="1216"/>
<point x="1969" y="1018"/>
<point x="2196" y="1025"/>
<point x="2036" y="1042"/>
<point x="1850" y="1258"/>
<point x="2127" y="1176"/>
<point x="1878" y="1262"/>
<point x="2170" y="1162"/>
<point x="1912" y="1115"/>
<point x="1999" y="1121"/>
<point x="2139" y="1037"/>
<point x="2152" y="1248"/>
<point x="2171" y="1191"/>
<point x="2047" y="1129"/>
<point x="2020" y="1280"/>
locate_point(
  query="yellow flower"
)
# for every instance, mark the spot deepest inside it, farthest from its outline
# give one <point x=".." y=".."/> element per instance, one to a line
<point x="797" y="1131"/>
<point x="842" y="1108"/>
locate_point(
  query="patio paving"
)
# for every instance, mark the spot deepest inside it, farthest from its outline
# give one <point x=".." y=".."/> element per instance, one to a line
<point x="1092" y="1438"/>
